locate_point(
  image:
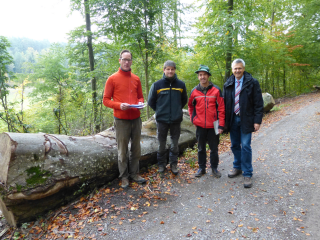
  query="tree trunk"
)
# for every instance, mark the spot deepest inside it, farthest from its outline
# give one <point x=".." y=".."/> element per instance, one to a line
<point x="59" y="112"/>
<point x="272" y="16"/>
<point x="284" y="81"/>
<point x="272" y="76"/>
<point x="229" y="43"/>
<point x="21" y="106"/>
<point x="176" y="24"/>
<point x="266" y="81"/>
<point x="40" y="172"/>
<point x="91" y="61"/>
<point x="146" y="62"/>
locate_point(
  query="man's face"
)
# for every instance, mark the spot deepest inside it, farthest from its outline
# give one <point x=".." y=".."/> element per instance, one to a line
<point x="203" y="78"/>
<point x="169" y="71"/>
<point x="125" y="61"/>
<point x="238" y="70"/>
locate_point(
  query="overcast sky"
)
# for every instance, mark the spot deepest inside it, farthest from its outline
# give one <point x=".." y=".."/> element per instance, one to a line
<point x="38" y="19"/>
<point x="47" y="19"/>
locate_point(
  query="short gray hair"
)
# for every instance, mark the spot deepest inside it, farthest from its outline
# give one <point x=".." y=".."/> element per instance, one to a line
<point x="169" y="63"/>
<point x="238" y="60"/>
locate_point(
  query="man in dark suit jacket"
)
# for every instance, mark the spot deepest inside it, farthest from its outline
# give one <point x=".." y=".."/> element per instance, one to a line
<point x="244" y="111"/>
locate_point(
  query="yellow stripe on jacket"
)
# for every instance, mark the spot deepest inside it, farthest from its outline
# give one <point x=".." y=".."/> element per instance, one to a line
<point x="165" y="89"/>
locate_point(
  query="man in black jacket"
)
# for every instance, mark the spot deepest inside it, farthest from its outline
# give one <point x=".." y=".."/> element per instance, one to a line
<point x="244" y="111"/>
<point x="167" y="97"/>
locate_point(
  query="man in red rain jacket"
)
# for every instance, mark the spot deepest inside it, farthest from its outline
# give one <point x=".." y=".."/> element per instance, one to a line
<point x="206" y="106"/>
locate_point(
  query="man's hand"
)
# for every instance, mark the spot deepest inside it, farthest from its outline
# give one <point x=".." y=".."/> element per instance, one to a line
<point x="256" y="127"/>
<point x="124" y="106"/>
<point x="220" y="131"/>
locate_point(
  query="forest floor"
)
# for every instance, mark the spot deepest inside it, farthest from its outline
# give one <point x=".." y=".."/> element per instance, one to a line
<point x="284" y="202"/>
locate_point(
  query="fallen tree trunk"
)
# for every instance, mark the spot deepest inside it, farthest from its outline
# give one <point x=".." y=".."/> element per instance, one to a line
<point x="39" y="172"/>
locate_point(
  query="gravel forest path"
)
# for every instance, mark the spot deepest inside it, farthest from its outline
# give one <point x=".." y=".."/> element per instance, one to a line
<point x="284" y="202"/>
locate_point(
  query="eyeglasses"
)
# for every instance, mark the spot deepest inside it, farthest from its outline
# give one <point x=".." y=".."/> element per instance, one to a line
<point x="126" y="60"/>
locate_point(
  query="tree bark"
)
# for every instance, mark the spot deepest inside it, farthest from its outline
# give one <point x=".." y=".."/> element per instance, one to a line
<point x="229" y="43"/>
<point x="284" y="81"/>
<point x="146" y="61"/>
<point x="39" y="172"/>
<point x="176" y="24"/>
<point x="91" y="61"/>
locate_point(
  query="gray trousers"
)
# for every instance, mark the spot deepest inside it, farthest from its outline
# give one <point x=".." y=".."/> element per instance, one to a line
<point x="127" y="130"/>
<point x="162" y="131"/>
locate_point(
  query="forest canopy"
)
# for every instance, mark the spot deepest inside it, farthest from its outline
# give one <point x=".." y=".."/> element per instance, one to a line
<point x="58" y="88"/>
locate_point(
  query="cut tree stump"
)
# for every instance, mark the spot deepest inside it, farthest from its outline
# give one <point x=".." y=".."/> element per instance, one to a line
<point x="40" y="172"/>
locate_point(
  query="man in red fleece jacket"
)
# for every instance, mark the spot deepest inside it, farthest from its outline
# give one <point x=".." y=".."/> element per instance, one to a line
<point x="124" y="88"/>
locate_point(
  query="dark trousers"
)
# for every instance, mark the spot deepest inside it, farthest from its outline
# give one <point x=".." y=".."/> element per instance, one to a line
<point x="204" y="136"/>
<point x="162" y="131"/>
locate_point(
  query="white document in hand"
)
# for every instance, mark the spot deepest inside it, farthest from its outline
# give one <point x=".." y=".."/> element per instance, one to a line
<point x="216" y="126"/>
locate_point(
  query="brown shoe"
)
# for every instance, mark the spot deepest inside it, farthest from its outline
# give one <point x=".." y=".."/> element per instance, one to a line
<point x="124" y="182"/>
<point x="137" y="178"/>
<point x="234" y="172"/>
<point x="247" y="183"/>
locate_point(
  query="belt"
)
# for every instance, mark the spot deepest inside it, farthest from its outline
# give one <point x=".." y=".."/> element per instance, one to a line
<point x="238" y="115"/>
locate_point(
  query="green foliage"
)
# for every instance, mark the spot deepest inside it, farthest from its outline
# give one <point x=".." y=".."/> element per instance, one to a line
<point x="274" y="38"/>
<point x="8" y="115"/>
<point x="25" y="225"/>
<point x="276" y="108"/>
<point x="191" y="156"/>
<point x="279" y="41"/>
<point x="16" y="235"/>
<point x="24" y="50"/>
<point x="191" y="162"/>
